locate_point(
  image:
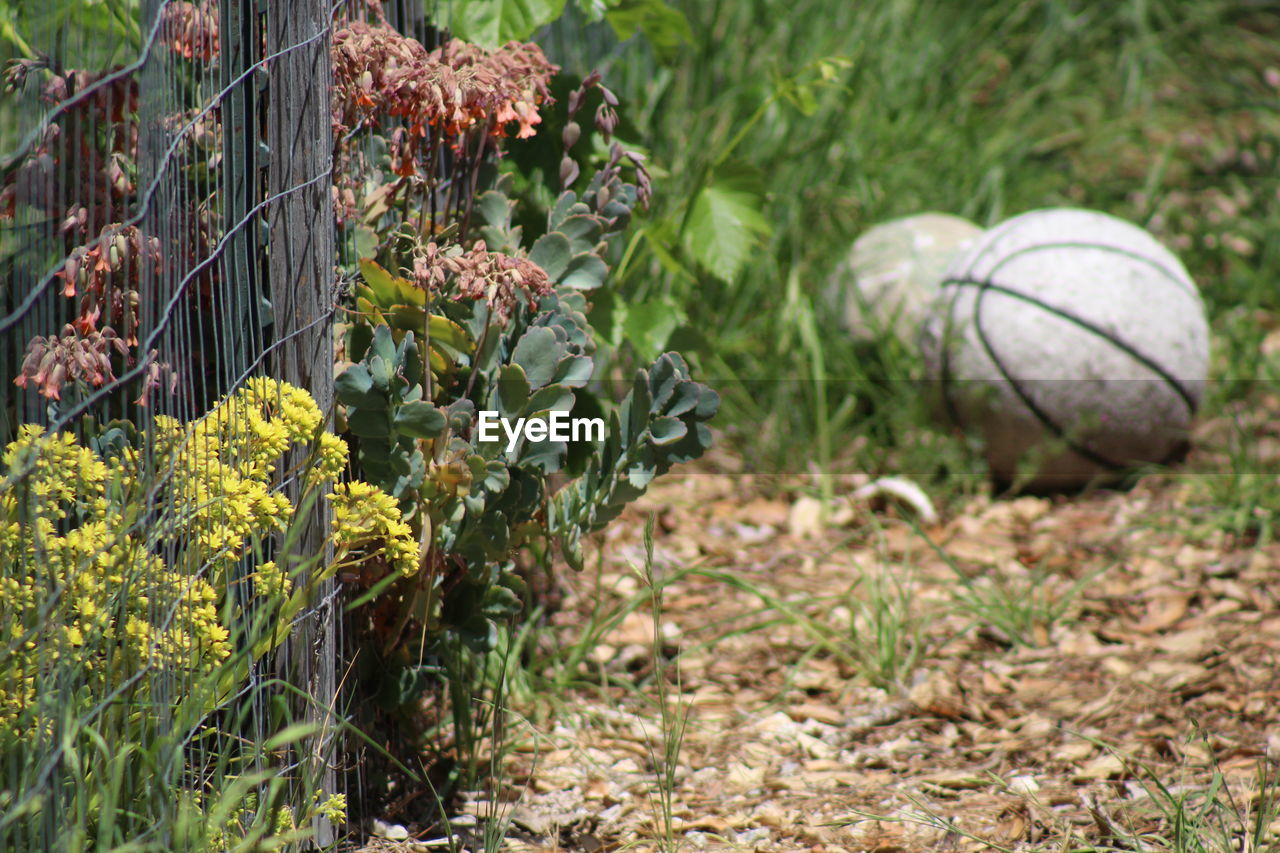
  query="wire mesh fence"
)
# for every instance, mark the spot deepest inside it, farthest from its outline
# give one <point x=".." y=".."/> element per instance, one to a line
<point x="166" y="244"/>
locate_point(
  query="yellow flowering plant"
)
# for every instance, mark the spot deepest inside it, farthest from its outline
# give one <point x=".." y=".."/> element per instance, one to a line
<point x="123" y="562"/>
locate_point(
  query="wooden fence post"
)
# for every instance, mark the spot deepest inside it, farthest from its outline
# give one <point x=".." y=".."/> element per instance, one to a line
<point x="301" y="257"/>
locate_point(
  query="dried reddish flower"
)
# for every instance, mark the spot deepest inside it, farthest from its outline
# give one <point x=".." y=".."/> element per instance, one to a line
<point x="380" y="72"/>
<point x="51" y="361"/>
<point x="191" y="29"/>
<point x="501" y="280"/>
<point x="105" y="273"/>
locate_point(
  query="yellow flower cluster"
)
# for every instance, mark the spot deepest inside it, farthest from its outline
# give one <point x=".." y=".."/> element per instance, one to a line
<point x="224" y="464"/>
<point x="89" y="598"/>
<point x="114" y="565"/>
<point x="367" y="520"/>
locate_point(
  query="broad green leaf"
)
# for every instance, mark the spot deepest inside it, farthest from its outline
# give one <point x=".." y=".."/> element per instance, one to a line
<point x="665" y="27"/>
<point x="649" y="324"/>
<point x="585" y="272"/>
<point x="513" y="390"/>
<point x="584" y="232"/>
<point x="409" y="318"/>
<point x="566" y="205"/>
<point x="547" y="456"/>
<point x="353" y="385"/>
<point x="445" y="331"/>
<point x="492" y="23"/>
<point x="574" y="371"/>
<point x="667" y="430"/>
<point x="381" y="283"/>
<point x="725" y="223"/>
<point x="555" y="398"/>
<point x="387" y="290"/>
<point x="551" y="252"/>
<point x="494" y="208"/>
<point x="371" y="312"/>
<point x="419" y="420"/>
<point x="368" y="423"/>
<point x="381" y="372"/>
<point x="383" y="346"/>
<point x="538" y="352"/>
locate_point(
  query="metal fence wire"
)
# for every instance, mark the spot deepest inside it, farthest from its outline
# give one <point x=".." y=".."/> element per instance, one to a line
<point x="167" y="680"/>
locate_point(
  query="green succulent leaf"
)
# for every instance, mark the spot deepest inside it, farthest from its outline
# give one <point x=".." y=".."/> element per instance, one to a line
<point x="667" y="430"/>
<point x="388" y="290"/>
<point x="566" y="205"/>
<point x="553" y="398"/>
<point x="384" y="345"/>
<point x="513" y="390"/>
<point x="574" y="371"/>
<point x="354" y="385"/>
<point x="369" y="423"/>
<point x="582" y="231"/>
<point x="445" y="331"/>
<point x="552" y="253"/>
<point x="538" y="351"/>
<point x="585" y="272"/>
<point x="419" y="419"/>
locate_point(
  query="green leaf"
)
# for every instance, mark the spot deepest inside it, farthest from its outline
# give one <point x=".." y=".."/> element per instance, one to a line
<point x="661" y="238"/>
<point x="358" y="340"/>
<point x="419" y="419"/>
<point x="368" y="423"/>
<point x="494" y="208"/>
<point x="381" y="283"/>
<point x="565" y="206"/>
<point x="290" y="734"/>
<point x="584" y="232"/>
<point x="667" y="430"/>
<point x="366" y="240"/>
<point x="384" y="346"/>
<point x="649" y="324"/>
<point x="574" y="371"/>
<point x="547" y="456"/>
<point x="445" y="331"/>
<point x="725" y="223"/>
<point x="666" y="28"/>
<point x="585" y="272"/>
<point x="551" y="252"/>
<point x="513" y="390"/>
<point x="538" y="352"/>
<point x="381" y="372"/>
<point x="555" y="398"/>
<point x="492" y="23"/>
<point x="353" y="387"/>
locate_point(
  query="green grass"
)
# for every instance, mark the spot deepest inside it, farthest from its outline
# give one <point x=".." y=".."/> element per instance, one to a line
<point x="1153" y="110"/>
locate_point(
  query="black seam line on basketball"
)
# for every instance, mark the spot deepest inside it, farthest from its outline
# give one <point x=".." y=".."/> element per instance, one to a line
<point x="1183" y="285"/>
<point x="1092" y="455"/>
<point x="1147" y="362"/>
